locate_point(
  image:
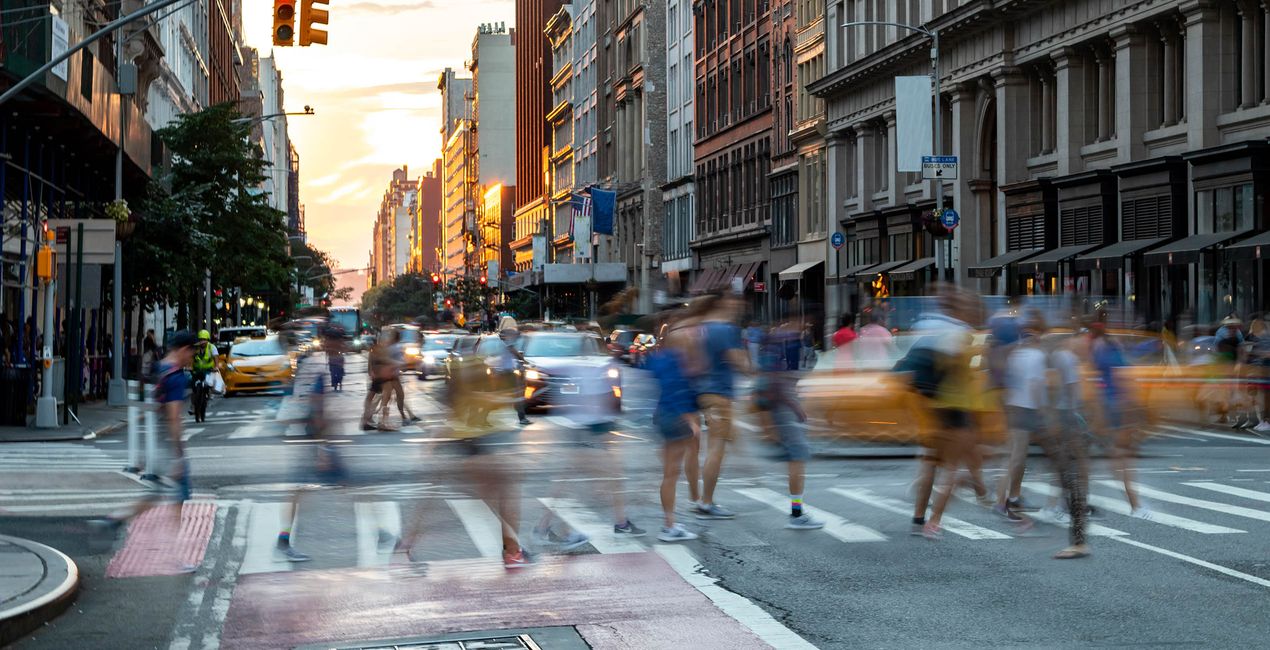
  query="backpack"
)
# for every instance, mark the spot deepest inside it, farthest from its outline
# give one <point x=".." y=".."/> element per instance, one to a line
<point x="927" y="370"/>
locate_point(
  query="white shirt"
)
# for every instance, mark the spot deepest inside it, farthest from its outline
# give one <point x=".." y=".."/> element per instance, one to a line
<point x="1068" y="367"/>
<point x="1025" y="384"/>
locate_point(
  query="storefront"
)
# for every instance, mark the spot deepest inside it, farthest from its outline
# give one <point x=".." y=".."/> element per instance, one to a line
<point x="1031" y="227"/>
<point x="1086" y="207"/>
<point x="864" y="251"/>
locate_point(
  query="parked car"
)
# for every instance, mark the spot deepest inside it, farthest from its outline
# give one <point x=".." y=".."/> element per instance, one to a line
<point x="567" y="367"/>
<point x="227" y="336"/>
<point x="619" y="343"/>
<point x="254" y="365"/>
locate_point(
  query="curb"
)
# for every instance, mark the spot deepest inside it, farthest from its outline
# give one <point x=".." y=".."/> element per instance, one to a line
<point x="21" y="619"/>
<point x="105" y="430"/>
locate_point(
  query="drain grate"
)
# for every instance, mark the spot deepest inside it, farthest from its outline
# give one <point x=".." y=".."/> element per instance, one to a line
<point x="543" y="638"/>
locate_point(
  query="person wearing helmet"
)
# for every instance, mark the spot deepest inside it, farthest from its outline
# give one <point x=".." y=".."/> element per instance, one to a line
<point x="204" y="361"/>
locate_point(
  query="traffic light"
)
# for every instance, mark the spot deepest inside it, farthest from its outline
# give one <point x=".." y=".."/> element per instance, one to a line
<point x="311" y="16"/>
<point x="283" y="22"/>
<point x="484" y="281"/>
<point x="436" y="280"/>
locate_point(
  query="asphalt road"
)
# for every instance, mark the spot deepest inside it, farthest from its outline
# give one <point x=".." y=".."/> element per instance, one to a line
<point x="1197" y="574"/>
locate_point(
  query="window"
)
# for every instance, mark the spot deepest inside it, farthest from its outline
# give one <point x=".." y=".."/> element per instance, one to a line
<point x="1225" y="209"/>
<point x="672" y="85"/>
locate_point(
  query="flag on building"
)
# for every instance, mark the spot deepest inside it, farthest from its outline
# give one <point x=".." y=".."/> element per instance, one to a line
<point x="604" y="205"/>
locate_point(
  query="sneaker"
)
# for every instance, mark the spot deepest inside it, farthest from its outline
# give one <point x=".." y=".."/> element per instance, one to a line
<point x="366" y="426"/>
<point x="1054" y="514"/>
<point x="545" y="536"/>
<point x="574" y="540"/>
<point x="628" y="529"/>
<point x="524" y="421"/>
<point x="515" y="560"/>
<point x="1017" y="503"/>
<point x="1141" y="512"/>
<point x="804" y="522"/>
<point x="932" y="531"/>
<point x="714" y="511"/>
<point x="401" y="549"/>
<point x="917" y="524"/>
<point x="676" y="533"/>
<point x="290" y="554"/>
<point x="986" y="500"/>
<point x="1264" y="427"/>
<point x="1242" y="422"/>
<point x="1006" y="513"/>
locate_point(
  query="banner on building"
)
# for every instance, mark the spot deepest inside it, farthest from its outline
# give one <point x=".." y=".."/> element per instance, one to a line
<point x="540" y="252"/>
<point x="604" y="204"/>
<point x="913" y="124"/>
<point x="491" y="272"/>
<point x="61" y="42"/>
<point x="580" y="226"/>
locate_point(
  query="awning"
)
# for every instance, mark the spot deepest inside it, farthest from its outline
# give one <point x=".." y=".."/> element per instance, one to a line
<point x="1048" y="261"/>
<point x="746" y="271"/>
<point x="848" y="275"/>
<point x="884" y="267"/>
<point x="992" y="268"/>
<point x="1187" y="251"/>
<point x="1252" y="248"/>
<point x="910" y="271"/>
<point x="705" y="279"/>
<point x="1112" y="257"/>
<point x="796" y="271"/>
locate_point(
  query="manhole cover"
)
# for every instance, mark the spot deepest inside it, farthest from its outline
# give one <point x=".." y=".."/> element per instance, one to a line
<point x="545" y="638"/>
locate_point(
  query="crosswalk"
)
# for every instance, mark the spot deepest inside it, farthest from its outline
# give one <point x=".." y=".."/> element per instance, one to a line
<point x="360" y="531"/>
<point x="54" y="457"/>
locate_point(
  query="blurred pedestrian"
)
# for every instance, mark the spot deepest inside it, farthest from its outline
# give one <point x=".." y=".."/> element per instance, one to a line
<point x="1259" y="370"/>
<point x="379" y="365"/>
<point x="335" y="348"/>
<point x="778" y="406"/>
<point x="808" y="358"/>
<point x="1114" y="402"/>
<point x="678" y="421"/>
<point x="845" y="335"/>
<point x="725" y="357"/>
<point x="753" y="339"/>
<point x="393" y="387"/>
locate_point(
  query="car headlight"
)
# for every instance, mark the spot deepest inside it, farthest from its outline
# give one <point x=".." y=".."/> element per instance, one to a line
<point x="533" y="375"/>
<point x="614" y="373"/>
<point x="230" y="367"/>
<point x="412" y="350"/>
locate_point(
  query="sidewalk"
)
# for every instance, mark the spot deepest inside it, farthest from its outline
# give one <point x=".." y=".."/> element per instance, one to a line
<point x="36" y="583"/>
<point x="95" y="419"/>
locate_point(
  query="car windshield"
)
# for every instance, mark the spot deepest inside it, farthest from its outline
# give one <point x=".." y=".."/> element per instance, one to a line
<point x="438" y="342"/>
<point x="409" y="335"/>
<point x="561" y="345"/>
<point x="257" y="348"/>
<point x="624" y="337"/>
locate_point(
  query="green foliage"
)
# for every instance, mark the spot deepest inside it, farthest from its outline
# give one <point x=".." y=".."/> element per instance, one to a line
<point x="209" y="211"/>
<point x="404" y="299"/>
<point x="468" y="295"/>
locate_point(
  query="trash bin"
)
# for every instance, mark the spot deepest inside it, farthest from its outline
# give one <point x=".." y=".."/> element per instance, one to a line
<point x="13" y="395"/>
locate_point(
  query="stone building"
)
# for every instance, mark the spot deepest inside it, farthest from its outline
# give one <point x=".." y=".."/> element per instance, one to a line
<point x="678" y="190"/>
<point x="1110" y="149"/>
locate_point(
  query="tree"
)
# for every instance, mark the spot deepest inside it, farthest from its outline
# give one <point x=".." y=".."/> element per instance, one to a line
<point x="208" y="210"/>
<point x="405" y="299"/>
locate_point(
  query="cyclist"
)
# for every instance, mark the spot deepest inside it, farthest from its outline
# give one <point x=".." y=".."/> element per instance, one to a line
<point x="204" y="364"/>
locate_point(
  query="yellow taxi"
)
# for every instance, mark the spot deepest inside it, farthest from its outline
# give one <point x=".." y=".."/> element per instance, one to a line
<point x="253" y="365"/>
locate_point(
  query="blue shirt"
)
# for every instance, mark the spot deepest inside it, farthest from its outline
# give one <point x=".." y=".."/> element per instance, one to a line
<point x="676" y="396"/>
<point x="719" y="377"/>
<point x="1106" y="357"/>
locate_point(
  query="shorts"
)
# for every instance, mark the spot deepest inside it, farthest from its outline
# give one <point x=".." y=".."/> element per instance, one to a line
<point x="793" y="434"/>
<point x="377" y="386"/>
<point x="671" y="427"/>
<point x="718" y="412"/>
<point x="1029" y="422"/>
<point x="952" y="418"/>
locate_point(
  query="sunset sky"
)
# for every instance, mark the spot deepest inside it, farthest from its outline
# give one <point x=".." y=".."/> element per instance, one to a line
<point x="374" y="89"/>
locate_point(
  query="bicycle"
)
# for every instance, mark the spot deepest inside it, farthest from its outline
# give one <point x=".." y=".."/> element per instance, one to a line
<point x="201" y="396"/>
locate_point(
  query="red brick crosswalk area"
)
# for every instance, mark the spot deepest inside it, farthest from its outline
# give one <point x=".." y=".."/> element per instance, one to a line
<point x="154" y="548"/>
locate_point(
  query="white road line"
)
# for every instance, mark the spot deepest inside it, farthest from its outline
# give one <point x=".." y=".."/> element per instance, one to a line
<point x="190" y="432"/>
<point x="254" y="429"/>
<point x="1096" y="530"/>
<point x="1178" y="436"/>
<point x="599" y="529"/>
<point x="1223" y="436"/>
<point x="734" y="605"/>
<point x="1160" y="495"/>
<point x="1196" y="561"/>
<point x="837" y="527"/>
<point x="1231" y="490"/>
<point x="481" y="524"/>
<point x="1120" y="507"/>
<point x="265" y="520"/>
<point x="1252" y="470"/>
<point x="950" y="524"/>
<point x="373" y="517"/>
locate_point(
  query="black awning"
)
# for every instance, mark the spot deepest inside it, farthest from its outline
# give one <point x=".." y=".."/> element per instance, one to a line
<point x="1048" y="261"/>
<point x="909" y="271"/>
<point x="1257" y="248"/>
<point x="849" y="274"/>
<point x="992" y="268"/>
<point x="881" y="268"/>
<point x="796" y="271"/>
<point x="1112" y="257"/>
<point x="705" y="279"/>
<point x="1187" y="251"/>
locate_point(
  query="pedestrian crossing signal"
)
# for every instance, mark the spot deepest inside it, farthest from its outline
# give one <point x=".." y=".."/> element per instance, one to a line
<point x="312" y="16"/>
<point x="283" y="23"/>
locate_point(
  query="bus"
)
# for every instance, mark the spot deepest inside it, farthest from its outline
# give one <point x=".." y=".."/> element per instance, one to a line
<point x="349" y="318"/>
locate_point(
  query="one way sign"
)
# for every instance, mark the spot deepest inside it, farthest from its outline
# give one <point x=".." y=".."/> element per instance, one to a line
<point x="939" y="167"/>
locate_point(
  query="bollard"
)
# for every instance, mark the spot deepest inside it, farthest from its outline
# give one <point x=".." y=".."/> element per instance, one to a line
<point x="152" y="439"/>
<point x="134" y="438"/>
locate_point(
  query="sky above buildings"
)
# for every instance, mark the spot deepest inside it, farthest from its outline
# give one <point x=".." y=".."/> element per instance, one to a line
<point x="374" y="90"/>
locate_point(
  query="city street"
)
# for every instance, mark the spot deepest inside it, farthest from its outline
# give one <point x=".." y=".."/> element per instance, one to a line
<point x="1194" y="574"/>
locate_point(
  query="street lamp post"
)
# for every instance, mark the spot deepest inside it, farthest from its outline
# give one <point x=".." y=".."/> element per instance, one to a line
<point x="942" y="260"/>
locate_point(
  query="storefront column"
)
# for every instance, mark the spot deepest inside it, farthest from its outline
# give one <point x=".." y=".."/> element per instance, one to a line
<point x="1133" y="72"/>
<point x="976" y="222"/>
<point x="1248" y="15"/>
<point x="1203" y="74"/>
<point x="1169" y="92"/>
<point x="1069" y="77"/>
<point x="865" y="165"/>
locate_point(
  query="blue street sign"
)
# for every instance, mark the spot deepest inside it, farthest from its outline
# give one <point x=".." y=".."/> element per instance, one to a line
<point x="939" y="160"/>
<point x="837" y="240"/>
<point x="950" y="218"/>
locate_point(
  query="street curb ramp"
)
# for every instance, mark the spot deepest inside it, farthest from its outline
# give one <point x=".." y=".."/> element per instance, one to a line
<point x="29" y="611"/>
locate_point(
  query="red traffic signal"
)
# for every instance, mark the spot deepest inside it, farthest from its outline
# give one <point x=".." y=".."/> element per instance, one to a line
<point x="436" y="279"/>
<point x="484" y="280"/>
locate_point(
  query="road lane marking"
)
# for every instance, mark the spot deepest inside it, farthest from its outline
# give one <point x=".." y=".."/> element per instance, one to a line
<point x="1231" y="490"/>
<point x="255" y="429"/>
<point x="585" y="521"/>
<point x="1196" y="561"/>
<point x="740" y="608"/>
<point x="1160" y="495"/>
<point x="1120" y="507"/>
<point x="837" y="527"/>
<point x="950" y="524"/>
<point x="1223" y="436"/>
<point x="372" y="517"/>
<point x="264" y="523"/>
<point x="1178" y="436"/>
<point x="481" y="524"/>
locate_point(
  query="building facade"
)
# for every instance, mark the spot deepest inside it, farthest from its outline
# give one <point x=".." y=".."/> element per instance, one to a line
<point x="732" y="152"/>
<point x="785" y="230"/>
<point x="182" y="83"/>
<point x="1110" y="150"/>
<point x="677" y="193"/>
<point x="458" y="201"/>
<point x="390" y="243"/>
<point x="493" y="97"/>
<point x="426" y="241"/>
<point x="560" y="145"/>
<point x="223" y="53"/>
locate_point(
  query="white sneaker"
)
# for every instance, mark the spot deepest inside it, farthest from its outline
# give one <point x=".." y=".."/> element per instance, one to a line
<point x="1141" y="512"/>
<point x="676" y="533"/>
<point x="804" y="522"/>
<point x="1264" y="427"/>
<point x="1055" y="514"/>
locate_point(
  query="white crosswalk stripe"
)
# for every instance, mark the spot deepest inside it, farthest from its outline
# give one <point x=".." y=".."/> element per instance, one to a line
<point x="951" y="524"/>
<point x="1121" y="507"/>
<point x="1161" y="495"/>
<point x="1231" y="490"/>
<point x="56" y="457"/>
<point x="835" y="526"/>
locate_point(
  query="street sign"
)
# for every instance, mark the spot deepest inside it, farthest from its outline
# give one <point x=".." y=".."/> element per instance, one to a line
<point x="939" y="167"/>
<point x="949" y="218"/>
<point x="760" y="287"/>
<point x="837" y="240"/>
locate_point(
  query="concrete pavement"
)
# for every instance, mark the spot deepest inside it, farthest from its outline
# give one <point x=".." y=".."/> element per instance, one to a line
<point x="37" y="582"/>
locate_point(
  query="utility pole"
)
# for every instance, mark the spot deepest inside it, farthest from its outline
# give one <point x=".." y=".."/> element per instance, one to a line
<point x="117" y="394"/>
